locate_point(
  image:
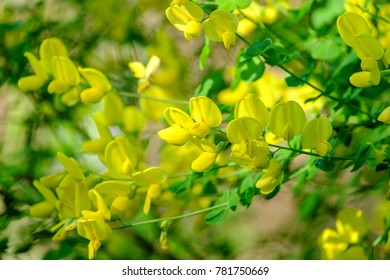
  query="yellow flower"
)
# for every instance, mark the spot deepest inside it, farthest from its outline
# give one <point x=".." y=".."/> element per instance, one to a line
<point x="120" y="157"/>
<point x="45" y="207"/>
<point x="113" y="107"/>
<point x="287" y="120"/>
<point x="351" y="226"/>
<point x="315" y="135"/>
<point x="204" y="115"/>
<point x="369" y="77"/>
<point x="185" y="16"/>
<point x="351" y="24"/>
<point x="181" y="123"/>
<point x="93" y="230"/>
<point x="97" y="146"/>
<point x="65" y="75"/>
<point x="133" y="120"/>
<point x="143" y="73"/>
<point x="102" y="211"/>
<point x="221" y="27"/>
<point x="207" y="157"/>
<point x="272" y="177"/>
<point x="385" y="116"/>
<point x="252" y="107"/>
<point x="152" y="178"/>
<point x="99" y="85"/>
<point x="50" y="48"/>
<point x="248" y="150"/>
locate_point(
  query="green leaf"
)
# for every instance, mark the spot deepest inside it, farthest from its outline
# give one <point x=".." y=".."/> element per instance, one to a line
<point x="206" y="50"/>
<point x="325" y="49"/>
<point x="219" y="214"/>
<point x="293" y="81"/>
<point x="250" y="68"/>
<point x="234" y="199"/>
<point x="231" y="5"/>
<point x="3" y="244"/>
<point x="204" y="88"/>
<point x="362" y="156"/>
<point x="247" y="191"/>
<point x="181" y="186"/>
<point x="309" y="206"/>
<point x="325" y="164"/>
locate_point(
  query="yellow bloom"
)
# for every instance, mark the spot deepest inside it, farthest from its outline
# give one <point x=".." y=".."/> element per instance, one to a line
<point x="50" y="48"/>
<point x="99" y="85"/>
<point x="207" y="157"/>
<point x="385" y="116"/>
<point x="248" y="150"/>
<point x="133" y="120"/>
<point x="369" y="77"/>
<point x="113" y="107"/>
<point x="120" y="157"/>
<point x="272" y="177"/>
<point x="181" y="123"/>
<point x="252" y="107"/>
<point x="185" y="16"/>
<point x="65" y="75"/>
<point x="93" y="230"/>
<point x="152" y="178"/>
<point x="221" y="27"/>
<point x="351" y="24"/>
<point x="315" y="135"/>
<point x="102" y="211"/>
<point x="287" y="120"/>
<point x="45" y="207"/>
<point x="97" y="146"/>
<point x="143" y="73"/>
<point x="351" y="226"/>
<point x="204" y="115"/>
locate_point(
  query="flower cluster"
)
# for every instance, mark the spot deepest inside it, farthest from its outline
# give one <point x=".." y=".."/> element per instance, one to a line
<point x="188" y="17"/>
<point x="356" y="33"/>
<point x="345" y="242"/>
<point x="63" y="77"/>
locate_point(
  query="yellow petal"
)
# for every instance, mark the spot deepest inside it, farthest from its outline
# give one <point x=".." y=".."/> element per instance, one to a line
<point x="243" y="129"/>
<point x="203" y="109"/>
<point x="220" y="22"/>
<point x="352" y="224"/>
<point x="133" y="120"/>
<point x="205" y="161"/>
<point x="138" y="69"/>
<point x="365" y="46"/>
<point x="351" y="24"/>
<point x="228" y="39"/>
<point x="96" y="79"/>
<point x="252" y="107"/>
<point x="385" y="116"/>
<point x="316" y="131"/>
<point x="113" y="107"/>
<point x="192" y="29"/>
<point x="179" y="117"/>
<point x="174" y="135"/>
<point x="31" y="83"/>
<point x="91" y="95"/>
<point x="287" y="120"/>
<point x="151" y="175"/>
<point x="50" y="48"/>
<point x="71" y="166"/>
<point x="180" y="16"/>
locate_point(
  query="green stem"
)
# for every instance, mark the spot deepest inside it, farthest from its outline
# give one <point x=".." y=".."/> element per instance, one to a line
<point x="191" y="214"/>
<point x="136" y="95"/>
<point x="309" y="153"/>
